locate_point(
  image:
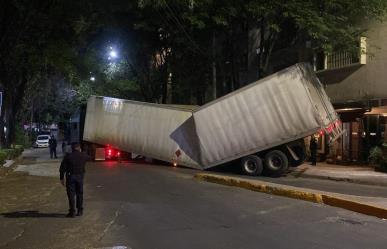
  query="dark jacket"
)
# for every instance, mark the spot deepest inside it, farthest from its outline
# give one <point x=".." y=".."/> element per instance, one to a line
<point x="313" y="144"/>
<point x="52" y="143"/>
<point x="73" y="164"/>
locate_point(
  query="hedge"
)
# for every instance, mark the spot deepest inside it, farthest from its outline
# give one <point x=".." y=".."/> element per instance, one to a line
<point x="12" y="153"/>
<point x="3" y="157"/>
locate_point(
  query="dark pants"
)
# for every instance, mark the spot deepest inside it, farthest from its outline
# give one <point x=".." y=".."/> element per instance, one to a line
<point x="53" y="152"/>
<point x="313" y="156"/>
<point x="74" y="187"/>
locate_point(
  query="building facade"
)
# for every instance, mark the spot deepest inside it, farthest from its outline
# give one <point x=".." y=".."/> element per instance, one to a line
<point x="357" y="86"/>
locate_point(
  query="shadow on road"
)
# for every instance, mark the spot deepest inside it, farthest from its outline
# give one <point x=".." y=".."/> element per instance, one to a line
<point x="32" y="214"/>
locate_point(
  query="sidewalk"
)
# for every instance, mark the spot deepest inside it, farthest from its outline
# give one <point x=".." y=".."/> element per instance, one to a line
<point x="34" y="161"/>
<point x="354" y="174"/>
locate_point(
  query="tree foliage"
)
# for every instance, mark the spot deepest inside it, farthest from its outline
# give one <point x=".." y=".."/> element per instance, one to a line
<point x="38" y="39"/>
<point x="169" y="50"/>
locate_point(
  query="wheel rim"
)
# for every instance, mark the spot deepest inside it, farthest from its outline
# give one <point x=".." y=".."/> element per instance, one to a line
<point x="250" y="166"/>
<point x="276" y="162"/>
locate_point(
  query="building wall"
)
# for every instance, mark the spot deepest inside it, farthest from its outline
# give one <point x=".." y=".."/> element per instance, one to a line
<point x="363" y="82"/>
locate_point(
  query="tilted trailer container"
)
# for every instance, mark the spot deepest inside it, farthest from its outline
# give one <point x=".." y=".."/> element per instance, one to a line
<point x="262" y="125"/>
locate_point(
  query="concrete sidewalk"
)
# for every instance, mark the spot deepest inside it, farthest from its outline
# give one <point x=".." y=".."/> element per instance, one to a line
<point x="354" y="174"/>
<point x="374" y="206"/>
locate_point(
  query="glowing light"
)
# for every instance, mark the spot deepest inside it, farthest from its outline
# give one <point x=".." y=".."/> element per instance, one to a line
<point x="174" y="164"/>
<point x="92" y="78"/>
<point x="113" y="54"/>
<point x="330" y="128"/>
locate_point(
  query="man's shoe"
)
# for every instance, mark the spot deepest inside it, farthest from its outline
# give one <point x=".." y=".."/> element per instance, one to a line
<point x="70" y="215"/>
<point x="80" y="213"/>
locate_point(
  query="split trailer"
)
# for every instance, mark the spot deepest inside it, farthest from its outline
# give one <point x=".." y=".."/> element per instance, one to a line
<point x="261" y="126"/>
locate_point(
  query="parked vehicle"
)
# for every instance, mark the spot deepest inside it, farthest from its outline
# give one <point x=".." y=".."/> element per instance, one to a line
<point x="261" y="126"/>
<point x="41" y="141"/>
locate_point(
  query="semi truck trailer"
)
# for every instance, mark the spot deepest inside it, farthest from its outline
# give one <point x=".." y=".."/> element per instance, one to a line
<point x="260" y="127"/>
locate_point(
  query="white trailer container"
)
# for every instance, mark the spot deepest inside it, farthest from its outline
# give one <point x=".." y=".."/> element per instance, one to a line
<point x="262" y="124"/>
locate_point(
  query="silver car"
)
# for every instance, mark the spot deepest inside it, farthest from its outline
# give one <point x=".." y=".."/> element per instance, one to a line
<point x="42" y="141"/>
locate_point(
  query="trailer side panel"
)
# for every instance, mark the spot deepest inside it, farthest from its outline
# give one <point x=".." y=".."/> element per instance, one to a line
<point x="141" y="128"/>
<point x="273" y="111"/>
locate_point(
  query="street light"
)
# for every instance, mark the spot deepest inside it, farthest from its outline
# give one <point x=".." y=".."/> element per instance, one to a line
<point x="113" y="54"/>
<point x="92" y="78"/>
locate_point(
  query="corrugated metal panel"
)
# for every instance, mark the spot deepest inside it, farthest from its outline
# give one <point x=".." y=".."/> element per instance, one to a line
<point x="143" y="129"/>
<point x="269" y="112"/>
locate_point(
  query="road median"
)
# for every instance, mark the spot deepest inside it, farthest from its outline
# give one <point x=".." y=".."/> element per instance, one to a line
<point x="352" y="203"/>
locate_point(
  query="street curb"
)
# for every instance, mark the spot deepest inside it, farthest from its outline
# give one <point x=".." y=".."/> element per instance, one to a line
<point x="282" y="190"/>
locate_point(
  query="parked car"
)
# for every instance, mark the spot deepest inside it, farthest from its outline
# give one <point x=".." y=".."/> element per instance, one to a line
<point x="42" y="141"/>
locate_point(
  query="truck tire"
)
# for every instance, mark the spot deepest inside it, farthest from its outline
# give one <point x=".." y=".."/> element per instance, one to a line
<point x="276" y="162"/>
<point x="251" y="165"/>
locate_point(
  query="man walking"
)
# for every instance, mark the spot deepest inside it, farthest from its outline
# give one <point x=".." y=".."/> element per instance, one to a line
<point x="73" y="166"/>
<point x="52" y="144"/>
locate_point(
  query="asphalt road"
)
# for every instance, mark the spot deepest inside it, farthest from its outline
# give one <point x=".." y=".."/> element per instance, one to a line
<point x="143" y="206"/>
<point x="341" y="187"/>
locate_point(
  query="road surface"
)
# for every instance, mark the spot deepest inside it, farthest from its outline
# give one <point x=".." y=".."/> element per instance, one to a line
<point x="143" y="206"/>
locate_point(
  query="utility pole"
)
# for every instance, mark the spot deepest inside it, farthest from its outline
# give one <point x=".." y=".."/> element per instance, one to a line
<point x="213" y="65"/>
<point x="169" y="89"/>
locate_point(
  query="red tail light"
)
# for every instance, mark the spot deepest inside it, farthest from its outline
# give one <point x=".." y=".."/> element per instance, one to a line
<point x="118" y="153"/>
<point x="330" y="128"/>
<point x="109" y="152"/>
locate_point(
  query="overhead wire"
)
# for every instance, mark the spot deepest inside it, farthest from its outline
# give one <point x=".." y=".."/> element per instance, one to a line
<point x="167" y="23"/>
<point x="181" y="27"/>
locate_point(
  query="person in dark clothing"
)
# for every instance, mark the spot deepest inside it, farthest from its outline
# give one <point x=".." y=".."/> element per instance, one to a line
<point x="52" y="144"/>
<point x="73" y="167"/>
<point x="63" y="147"/>
<point x="313" y="150"/>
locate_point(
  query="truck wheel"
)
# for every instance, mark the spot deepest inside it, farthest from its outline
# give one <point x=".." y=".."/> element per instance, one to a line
<point x="251" y="165"/>
<point x="276" y="162"/>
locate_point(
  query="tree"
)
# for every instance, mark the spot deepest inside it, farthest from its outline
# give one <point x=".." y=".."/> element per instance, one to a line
<point x="184" y="51"/>
<point x="204" y="44"/>
<point x="32" y="34"/>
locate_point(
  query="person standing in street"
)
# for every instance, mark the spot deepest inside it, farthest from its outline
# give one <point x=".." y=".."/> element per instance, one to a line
<point x="63" y="147"/>
<point x="313" y="150"/>
<point x="52" y="144"/>
<point x="73" y="167"/>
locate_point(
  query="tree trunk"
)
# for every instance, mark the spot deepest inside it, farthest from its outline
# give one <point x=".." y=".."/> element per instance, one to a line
<point x="213" y="65"/>
<point x="261" y="48"/>
<point x="10" y="116"/>
<point x="2" y="125"/>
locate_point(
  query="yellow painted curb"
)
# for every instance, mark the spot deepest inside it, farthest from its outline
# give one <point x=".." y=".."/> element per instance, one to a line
<point x="355" y="206"/>
<point x="330" y="200"/>
<point x="313" y="197"/>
